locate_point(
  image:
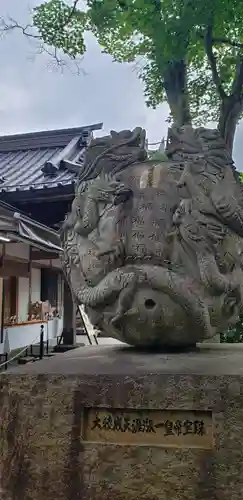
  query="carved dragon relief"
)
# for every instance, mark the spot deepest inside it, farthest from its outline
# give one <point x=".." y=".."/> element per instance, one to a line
<point x="153" y="249"/>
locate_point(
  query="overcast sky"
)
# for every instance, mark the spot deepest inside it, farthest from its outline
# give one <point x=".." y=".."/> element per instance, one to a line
<point x="33" y="96"/>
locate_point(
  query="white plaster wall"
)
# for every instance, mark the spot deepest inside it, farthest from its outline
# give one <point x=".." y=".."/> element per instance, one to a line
<point x="22" y="336"/>
<point x="23" y="298"/>
<point x="35" y="284"/>
<point x="19" y="336"/>
<point x="55" y="327"/>
<point x="59" y="326"/>
<point x="60" y="294"/>
<point x="21" y="250"/>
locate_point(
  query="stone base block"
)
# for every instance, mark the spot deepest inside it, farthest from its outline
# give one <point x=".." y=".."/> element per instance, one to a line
<point x="111" y="423"/>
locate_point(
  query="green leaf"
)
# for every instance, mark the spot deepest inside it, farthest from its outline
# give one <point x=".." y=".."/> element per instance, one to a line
<point x="61" y="27"/>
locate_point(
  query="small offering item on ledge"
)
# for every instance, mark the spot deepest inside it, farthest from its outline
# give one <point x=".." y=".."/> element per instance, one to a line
<point x="38" y="311"/>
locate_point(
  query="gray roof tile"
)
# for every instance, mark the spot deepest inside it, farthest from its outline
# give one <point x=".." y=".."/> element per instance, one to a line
<point x="23" y="156"/>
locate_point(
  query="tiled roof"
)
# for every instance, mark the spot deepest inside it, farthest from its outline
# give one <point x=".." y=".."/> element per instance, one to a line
<point x="37" y="160"/>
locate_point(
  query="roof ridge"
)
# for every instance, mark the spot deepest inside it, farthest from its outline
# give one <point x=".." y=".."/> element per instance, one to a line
<point x="44" y="138"/>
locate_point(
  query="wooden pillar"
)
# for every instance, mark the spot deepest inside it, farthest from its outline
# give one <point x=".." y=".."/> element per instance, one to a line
<point x="2" y="294"/>
<point x="30" y="281"/>
<point x="1" y="309"/>
<point x="69" y="317"/>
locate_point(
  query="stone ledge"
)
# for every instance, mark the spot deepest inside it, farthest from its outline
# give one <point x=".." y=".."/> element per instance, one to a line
<point x="206" y="359"/>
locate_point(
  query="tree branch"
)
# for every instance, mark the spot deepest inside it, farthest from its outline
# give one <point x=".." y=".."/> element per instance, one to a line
<point x="14" y="25"/>
<point x="223" y="41"/>
<point x="72" y="12"/>
<point x="213" y="61"/>
<point x="58" y="59"/>
<point x="26" y="30"/>
<point x="232" y="106"/>
<point x="237" y="84"/>
<point x="230" y="111"/>
<point x="75" y="3"/>
<point x="227" y="41"/>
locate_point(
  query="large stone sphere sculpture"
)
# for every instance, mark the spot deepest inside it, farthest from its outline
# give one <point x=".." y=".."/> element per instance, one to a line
<point x="153" y="248"/>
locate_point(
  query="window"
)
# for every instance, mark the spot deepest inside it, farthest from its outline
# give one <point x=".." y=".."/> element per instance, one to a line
<point x="49" y="286"/>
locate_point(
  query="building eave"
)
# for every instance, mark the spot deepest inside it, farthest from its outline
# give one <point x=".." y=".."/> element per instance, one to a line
<point x="36" y="195"/>
<point x="18" y="227"/>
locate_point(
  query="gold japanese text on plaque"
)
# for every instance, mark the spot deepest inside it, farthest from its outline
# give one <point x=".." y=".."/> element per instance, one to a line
<point x="179" y="429"/>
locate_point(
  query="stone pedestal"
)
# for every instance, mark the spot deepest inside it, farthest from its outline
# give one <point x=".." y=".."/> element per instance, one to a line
<point x="109" y="423"/>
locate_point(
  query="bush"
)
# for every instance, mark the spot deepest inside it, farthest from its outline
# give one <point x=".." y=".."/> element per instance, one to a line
<point x="233" y="335"/>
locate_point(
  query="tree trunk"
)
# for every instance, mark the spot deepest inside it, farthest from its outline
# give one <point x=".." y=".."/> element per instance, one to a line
<point x="174" y="72"/>
<point x="230" y="112"/>
<point x="176" y="90"/>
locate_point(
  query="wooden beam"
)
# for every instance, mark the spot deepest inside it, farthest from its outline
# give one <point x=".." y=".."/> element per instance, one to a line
<point x="30" y="278"/>
<point x="42" y="255"/>
<point x="3" y="255"/>
<point x="14" y="268"/>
